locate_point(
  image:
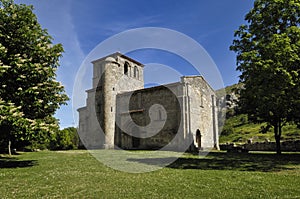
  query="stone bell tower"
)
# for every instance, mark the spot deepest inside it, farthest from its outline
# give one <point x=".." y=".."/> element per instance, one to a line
<point x="113" y="74"/>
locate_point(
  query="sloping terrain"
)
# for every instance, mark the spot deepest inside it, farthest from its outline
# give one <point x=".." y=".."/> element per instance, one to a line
<point x="238" y="129"/>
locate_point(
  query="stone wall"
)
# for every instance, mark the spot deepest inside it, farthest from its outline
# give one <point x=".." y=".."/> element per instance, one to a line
<point x="202" y="111"/>
<point x="271" y="146"/>
<point x="291" y="146"/>
<point x="153" y="114"/>
<point x="168" y="115"/>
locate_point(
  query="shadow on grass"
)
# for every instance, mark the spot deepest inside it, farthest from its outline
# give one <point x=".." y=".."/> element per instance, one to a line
<point x="225" y="161"/>
<point x="10" y="162"/>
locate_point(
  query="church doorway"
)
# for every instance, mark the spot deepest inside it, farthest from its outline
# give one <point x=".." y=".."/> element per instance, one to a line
<point x="198" y="138"/>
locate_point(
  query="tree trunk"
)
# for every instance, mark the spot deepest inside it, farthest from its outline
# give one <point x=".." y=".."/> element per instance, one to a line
<point x="277" y="132"/>
<point x="9" y="148"/>
<point x="278" y="145"/>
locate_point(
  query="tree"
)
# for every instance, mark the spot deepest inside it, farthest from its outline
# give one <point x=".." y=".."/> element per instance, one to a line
<point x="268" y="57"/>
<point x="29" y="91"/>
<point x="65" y="139"/>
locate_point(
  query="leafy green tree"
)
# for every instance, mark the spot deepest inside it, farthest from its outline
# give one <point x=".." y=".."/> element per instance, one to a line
<point x="268" y="56"/>
<point x="65" y="139"/>
<point x="28" y="62"/>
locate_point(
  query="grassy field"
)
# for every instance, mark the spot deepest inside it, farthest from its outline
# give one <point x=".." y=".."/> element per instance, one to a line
<point x="76" y="174"/>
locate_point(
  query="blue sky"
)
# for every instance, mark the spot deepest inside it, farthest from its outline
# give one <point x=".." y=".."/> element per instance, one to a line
<point x="81" y="25"/>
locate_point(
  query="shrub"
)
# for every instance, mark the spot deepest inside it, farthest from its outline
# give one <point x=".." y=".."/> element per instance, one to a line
<point x="227" y="130"/>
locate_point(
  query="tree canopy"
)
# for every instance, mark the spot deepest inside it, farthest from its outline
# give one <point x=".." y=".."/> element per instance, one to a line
<point x="268" y="57"/>
<point x="29" y="92"/>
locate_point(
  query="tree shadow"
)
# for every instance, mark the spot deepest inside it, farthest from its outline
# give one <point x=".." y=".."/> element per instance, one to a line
<point x="11" y="162"/>
<point x="226" y="161"/>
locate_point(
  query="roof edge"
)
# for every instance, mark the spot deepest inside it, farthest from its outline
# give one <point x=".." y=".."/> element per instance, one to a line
<point x="118" y="54"/>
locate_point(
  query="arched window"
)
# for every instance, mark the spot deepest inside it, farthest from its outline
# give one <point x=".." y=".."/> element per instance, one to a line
<point x="136" y="72"/>
<point x="126" y="67"/>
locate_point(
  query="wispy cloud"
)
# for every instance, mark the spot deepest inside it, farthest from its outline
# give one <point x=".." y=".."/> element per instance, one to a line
<point x="56" y="18"/>
<point x="112" y="28"/>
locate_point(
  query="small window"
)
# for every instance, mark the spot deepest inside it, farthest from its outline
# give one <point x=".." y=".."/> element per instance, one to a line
<point x="111" y="109"/>
<point x="136" y="72"/>
<point x="113" y="88"/>
<point x="202" y="101"/>
<point x="126" y="67"/>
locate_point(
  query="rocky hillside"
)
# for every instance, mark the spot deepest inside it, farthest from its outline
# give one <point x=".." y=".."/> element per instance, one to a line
<point x="231" y="96"/>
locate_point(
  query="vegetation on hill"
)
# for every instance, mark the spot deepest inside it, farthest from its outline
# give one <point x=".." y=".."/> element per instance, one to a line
<point x="235" y="88"/>
<point x="238" y="129"/>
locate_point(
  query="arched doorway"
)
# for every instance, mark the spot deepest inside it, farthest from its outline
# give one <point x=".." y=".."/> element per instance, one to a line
<point x="198" y="139"/>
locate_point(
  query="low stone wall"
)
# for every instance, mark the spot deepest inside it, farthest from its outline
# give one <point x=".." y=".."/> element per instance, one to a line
<point x="265" y="146"/>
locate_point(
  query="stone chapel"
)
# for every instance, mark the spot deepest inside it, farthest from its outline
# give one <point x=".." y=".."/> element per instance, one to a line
<point x="121" y="113"/>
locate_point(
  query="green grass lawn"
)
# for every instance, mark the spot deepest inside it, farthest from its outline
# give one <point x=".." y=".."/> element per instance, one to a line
<point x="76" y="174"/>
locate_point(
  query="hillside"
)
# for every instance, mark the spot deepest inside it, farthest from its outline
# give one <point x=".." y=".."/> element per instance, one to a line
<point x="238" y="129"/>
